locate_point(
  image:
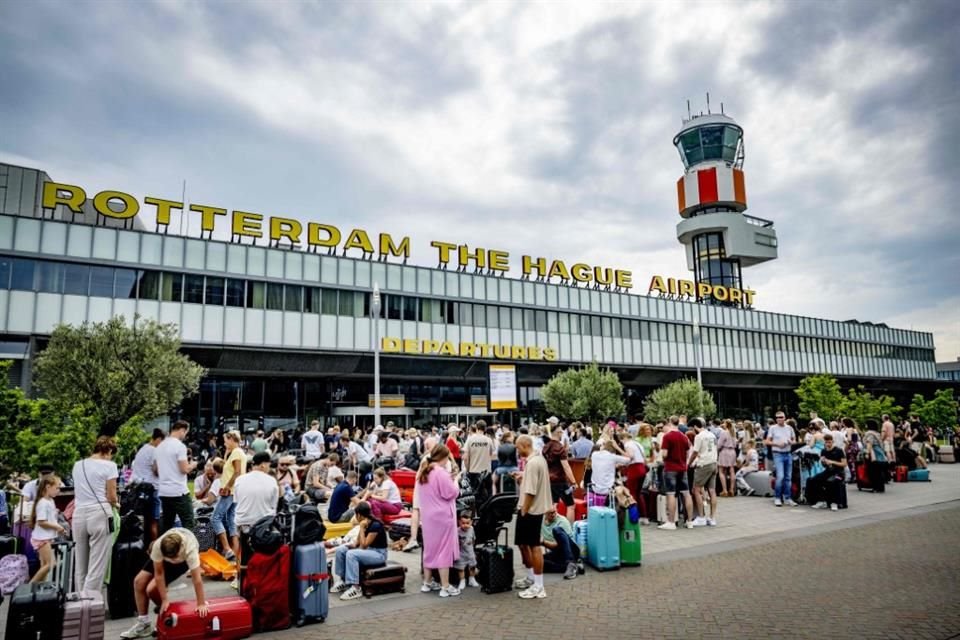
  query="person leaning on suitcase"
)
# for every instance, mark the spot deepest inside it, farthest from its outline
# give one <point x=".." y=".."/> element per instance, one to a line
<point x="173" y="554"/>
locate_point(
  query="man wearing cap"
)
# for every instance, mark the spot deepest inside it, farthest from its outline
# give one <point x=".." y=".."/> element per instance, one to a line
<point x="255" y="494"/>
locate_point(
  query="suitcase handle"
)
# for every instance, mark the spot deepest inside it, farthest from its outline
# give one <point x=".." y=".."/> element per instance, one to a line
<point x="506" y="536"/>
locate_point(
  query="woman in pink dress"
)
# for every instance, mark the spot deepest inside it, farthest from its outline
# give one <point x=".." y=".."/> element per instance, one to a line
<point x="437" y="495"/>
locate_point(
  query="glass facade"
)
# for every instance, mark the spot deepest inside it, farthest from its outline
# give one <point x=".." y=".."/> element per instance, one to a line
<point x="711" y="264"/>
<point x="709" y="142"/>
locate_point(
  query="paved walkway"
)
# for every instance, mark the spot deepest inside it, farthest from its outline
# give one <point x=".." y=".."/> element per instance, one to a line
<point x="726" y="565"/>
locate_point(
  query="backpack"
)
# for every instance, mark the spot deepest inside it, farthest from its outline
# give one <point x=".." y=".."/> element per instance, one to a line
<point x="203" y="531"/>
<point x="13" y="573"/>
<point x="309" y="527"/>
<point x="265" y="536"/>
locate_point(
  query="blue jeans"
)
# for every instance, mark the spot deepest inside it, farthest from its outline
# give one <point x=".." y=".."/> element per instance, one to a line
<point x="783" y="463"/>
<point x="347" y="562"/>
<point x="224" y="514"/>
<point x="556" y="560"/>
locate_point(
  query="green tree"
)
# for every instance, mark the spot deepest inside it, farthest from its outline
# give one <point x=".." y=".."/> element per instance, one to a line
<point x="59" y="439"/>
<point x="588" y="392"/>
<point x="940" y="412"/>
<point x="130" y="437"/>
<point x="124" y="371"/>
<point x="918" y="405"/>
<point x="860" y="405"/>
<point x="820" y="393"/>
<point x="682" y="396"/>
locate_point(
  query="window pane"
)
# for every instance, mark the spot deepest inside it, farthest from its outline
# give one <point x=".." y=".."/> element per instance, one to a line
<point x="480" y="315"/>
<point x="516" y="319"/>
<point x="293" y="297"/>
<point x="493" y="317"/>
<point x="101" y="282"/>
<point x="604" y="325"/>
<point x="540" y="320"/>
<point x="235" y="292"/>
<point x="329" y="302"/>
<point x="595" y="328"/>
<point x="171" y="287"/>
<point x="5" y="272"/>
<point x="311" y="302"/>
<point x="215" y="291"/>
<point x="394" y="305"/>
<point x="466" y="314"/>
<point x="124" y="283"/>
<point x="564" y="323"/>
<point x="274" y="296"/>
<point x="22" y="274"/>
<point x="256" y="295"/>
<point x="361" y="304"/>
<point x="77" y="279"/>
<point x="193" y="289"/>
<point x="149" y="288"/>
<point x="411" y="308"/>
<point x="574" y="324"/>
<point x="504" y="318"/>
<point x="50" y="277"/>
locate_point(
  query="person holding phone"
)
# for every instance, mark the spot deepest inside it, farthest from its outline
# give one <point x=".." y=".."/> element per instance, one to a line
<point x="780" y="438"/>
<point x="833" y="461"/>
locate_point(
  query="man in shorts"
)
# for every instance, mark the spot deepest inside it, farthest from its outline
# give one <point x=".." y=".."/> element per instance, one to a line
<point x="535" y="500"/>
<point x="704" y="461"/>
<point x="174" y="553"/>
<point x="674" y="448"/>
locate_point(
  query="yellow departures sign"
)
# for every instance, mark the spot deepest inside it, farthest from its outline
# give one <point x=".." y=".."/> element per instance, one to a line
<point x="466" y="349"/>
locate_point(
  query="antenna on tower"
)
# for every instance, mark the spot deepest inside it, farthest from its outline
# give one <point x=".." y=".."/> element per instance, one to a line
<point x="688" y="111"/>
<point x="708" y="103"/>
<point x="721" y="108"/>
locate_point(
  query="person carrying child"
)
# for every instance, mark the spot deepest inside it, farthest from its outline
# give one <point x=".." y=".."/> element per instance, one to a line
<point x="466" y="564"/>
<point x="45" y="526"/>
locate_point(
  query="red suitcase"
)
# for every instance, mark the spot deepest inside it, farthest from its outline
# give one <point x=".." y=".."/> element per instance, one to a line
<point x="579" y="509"/>
<point x="901" y="473"/>
<point x="229" y="618"/>
<point x="404" y="478"/>
<point x="266" y="586"/>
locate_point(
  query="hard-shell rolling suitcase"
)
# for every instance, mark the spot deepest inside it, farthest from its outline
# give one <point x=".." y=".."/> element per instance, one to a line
<point x="310" y="596"/>
<point x="760" y="482"/>
<point x="631" y="548"/>
<point x="388" y="578"/>
<point x="266" y="586"/>
<point x="661" y="508"/>
<point x="603" y="544"/>
<point x="946" y="454"/>
<point x="400" y="529"/>
<point x="579" y="508"/>
<point x="900" y="473"/>
<point x="83" y="617"/>
<point x="9" y="545"/>
<point x="581" y="531"/>
<point x="870" y="476"/>
<point x="126" y="560"/>
<point x="62" y="573"/>
<point x="919" y="475"/>
<point x="495" y="565"/>
<point x="229" y="618"/>
<point x="36" y="612"/>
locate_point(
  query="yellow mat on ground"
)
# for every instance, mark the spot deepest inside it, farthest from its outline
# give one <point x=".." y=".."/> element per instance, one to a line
<point x="336" y="529"/>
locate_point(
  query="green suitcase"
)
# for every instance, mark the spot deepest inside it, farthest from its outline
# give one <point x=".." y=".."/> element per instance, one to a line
<point x="631" y="549"/>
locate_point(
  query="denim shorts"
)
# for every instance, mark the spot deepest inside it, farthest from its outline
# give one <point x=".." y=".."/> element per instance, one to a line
<point x="675" y="482"/>
<point x="224" y="516"/>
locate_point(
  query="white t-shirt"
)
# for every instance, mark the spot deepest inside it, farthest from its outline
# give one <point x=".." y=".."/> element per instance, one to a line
<point x="604" y="466"/>
<point x="839" y="439"/>
<point x="46" y="512"/>
<point x="781" y="434"/>
<point x="142" y="467"/>
<point x="752" y="461"/>
<point x="189" y="549"/>
<point x="173" y="482"/>
<point x="635" y="451"/>
<point x="256" y="495"/>
<point x="98" y="473"/>
<point x="393" y="492"/>
<point x="333" y="472"/>
<point x="705" y="444"/>
<point x="362" y="454"/>
<point x="29" y="490"/>
<point x="312" y="444"/>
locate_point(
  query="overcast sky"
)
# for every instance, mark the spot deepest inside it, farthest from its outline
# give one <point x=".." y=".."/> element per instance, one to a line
<point x="537" y="128"/>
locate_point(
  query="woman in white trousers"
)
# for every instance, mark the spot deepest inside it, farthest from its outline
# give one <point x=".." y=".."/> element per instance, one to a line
<point x="95" y="490"/>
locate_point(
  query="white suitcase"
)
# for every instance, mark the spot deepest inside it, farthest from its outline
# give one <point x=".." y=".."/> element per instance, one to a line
<point x="946" y="454"/>
<point x="759" y="481"/>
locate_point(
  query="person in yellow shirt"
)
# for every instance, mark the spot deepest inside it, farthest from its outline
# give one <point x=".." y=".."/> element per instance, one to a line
<point x="225" y="512"/>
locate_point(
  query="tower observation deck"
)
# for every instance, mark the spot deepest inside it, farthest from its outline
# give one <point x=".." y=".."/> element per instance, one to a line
<point x="720" y="239"/>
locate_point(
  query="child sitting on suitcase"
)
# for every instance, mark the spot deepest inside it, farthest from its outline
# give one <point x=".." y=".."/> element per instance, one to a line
<point x="466" y="564"/>
<point x="172" y="555"/>
<point x="45" y="525"/>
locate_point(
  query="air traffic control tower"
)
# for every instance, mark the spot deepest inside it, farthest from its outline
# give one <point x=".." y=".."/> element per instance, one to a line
<point x="719" y="237"/>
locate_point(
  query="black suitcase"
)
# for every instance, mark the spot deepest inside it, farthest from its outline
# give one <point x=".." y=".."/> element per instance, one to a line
<point x="495" y="565"/>
<point x="36" y="612"/>
<point x="399" y="529"/>
<point x="9" y="545"/>
<point x="388" y="578"/>
<point x="126" y="561"/>
<point x="203" y="531"/>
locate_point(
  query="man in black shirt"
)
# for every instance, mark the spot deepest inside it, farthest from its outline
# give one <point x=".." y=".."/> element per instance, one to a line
<point x="834" y="462"/>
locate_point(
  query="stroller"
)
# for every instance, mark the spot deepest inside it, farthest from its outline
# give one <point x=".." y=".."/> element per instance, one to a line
<point x="493" y="515"/>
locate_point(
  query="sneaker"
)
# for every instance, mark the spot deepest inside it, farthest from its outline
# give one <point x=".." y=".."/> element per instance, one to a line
<point x="523" y="583"/>
<point x="230" y="557"/>
<point x="235" y="584"/>
<point x="571" y="571"/>
<point x="690" y="524"/>
<point x="778" y="502"/>
<point x="711" y="522"/>
<point x="339" y="587"/>
<point x="819" y="505"/>
<point x="644" y="521"/>
<point x="834" y="507"/>
<point x="352" y="593"/>
<point x="462" y="585"/>
<point x="138" y="630"/>
<point x="446" y="592"/>
<point x="668" y="526"/>
<point x="472" y="582"/>
<point x="532" y="592"/>
<point x="413" y="544"/>
<point x="699" y="521"/>
<point x="430" y="586"/>
<point x="751" y="491"/>
<point x="791" y="503"/>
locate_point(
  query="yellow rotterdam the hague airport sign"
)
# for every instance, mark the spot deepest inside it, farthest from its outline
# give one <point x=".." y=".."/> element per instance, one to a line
<point x="313" y="235"/>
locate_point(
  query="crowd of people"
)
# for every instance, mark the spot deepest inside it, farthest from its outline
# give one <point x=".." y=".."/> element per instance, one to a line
<point x="693" y="463"/>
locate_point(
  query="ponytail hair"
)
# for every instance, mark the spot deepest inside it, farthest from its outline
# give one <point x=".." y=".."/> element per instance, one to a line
<point x="438" y="453"/>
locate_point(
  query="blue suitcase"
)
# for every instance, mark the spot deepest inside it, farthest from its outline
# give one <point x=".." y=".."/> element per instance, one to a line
<point x="603" y="539"/>
<point x="311" y="584"/>
<point x="919" y="475"/>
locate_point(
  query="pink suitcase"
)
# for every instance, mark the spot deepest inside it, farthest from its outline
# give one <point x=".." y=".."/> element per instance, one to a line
<point x="83" y="617"/>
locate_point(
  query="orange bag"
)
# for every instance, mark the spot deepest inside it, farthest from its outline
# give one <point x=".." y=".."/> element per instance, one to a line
<point x="215" y="565"/>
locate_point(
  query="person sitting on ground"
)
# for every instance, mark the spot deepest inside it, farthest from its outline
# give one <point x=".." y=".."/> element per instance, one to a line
<point x="45" y="525"/>
<point x="317" y="488"/>
<point x="467" y="563"/>
<point x="562" y="554"/>
<point x="751" y="463"/>
<point x="203" y="482"/>
<point x="906" y="456"/>
<point x="172" y="555"/>
<point x="211" y="492"/>
<point x="819" y="487"/>
<point x="287" y="475"/>
<point x="383" y="496"/>
<point x="339" y="508"/>
<point x="370" y="550"/>
<point x="386" y="447"/>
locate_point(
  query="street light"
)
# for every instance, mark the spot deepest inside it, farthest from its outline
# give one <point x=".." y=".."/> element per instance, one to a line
<point x="696" y="356"/>
<point x="375" y="312"/>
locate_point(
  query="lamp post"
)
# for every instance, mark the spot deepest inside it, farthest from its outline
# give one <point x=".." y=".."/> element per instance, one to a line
<point x="696" y="357"/>
<point x="375" y="312"/>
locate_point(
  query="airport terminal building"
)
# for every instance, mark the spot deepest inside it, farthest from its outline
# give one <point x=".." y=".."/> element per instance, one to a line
<point x="284" y="323"/>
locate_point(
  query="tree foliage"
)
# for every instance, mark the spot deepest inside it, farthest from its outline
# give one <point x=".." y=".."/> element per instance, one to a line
<point x="860" y="405"/>
<point x="680" y="397"/>
<point x="820" y="393"/>
<point x="123" y="371"/>
<point x="940" y="412"/>
<point x="588" y="392"/>
<point x="130" y="437"/>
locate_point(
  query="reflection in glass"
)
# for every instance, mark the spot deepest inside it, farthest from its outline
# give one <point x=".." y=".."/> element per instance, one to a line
<point x="215" y="291"/>
<point x="50" y="277"/>
<point x="124" y="283"/>
<point x="256" y="294"/>
<point x="22" y="274"/>
<point x="235" y="293"/>
<point x="193" y="288"/>
<point x="274" y="296"/>
<point x="101" y="281"/>
<point x="149" y="288"/>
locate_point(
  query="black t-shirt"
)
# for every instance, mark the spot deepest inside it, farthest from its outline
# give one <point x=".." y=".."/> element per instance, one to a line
<point x="836" y="455"/>
<point x="380" y="542"/>
<point x="507" y="455"/>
